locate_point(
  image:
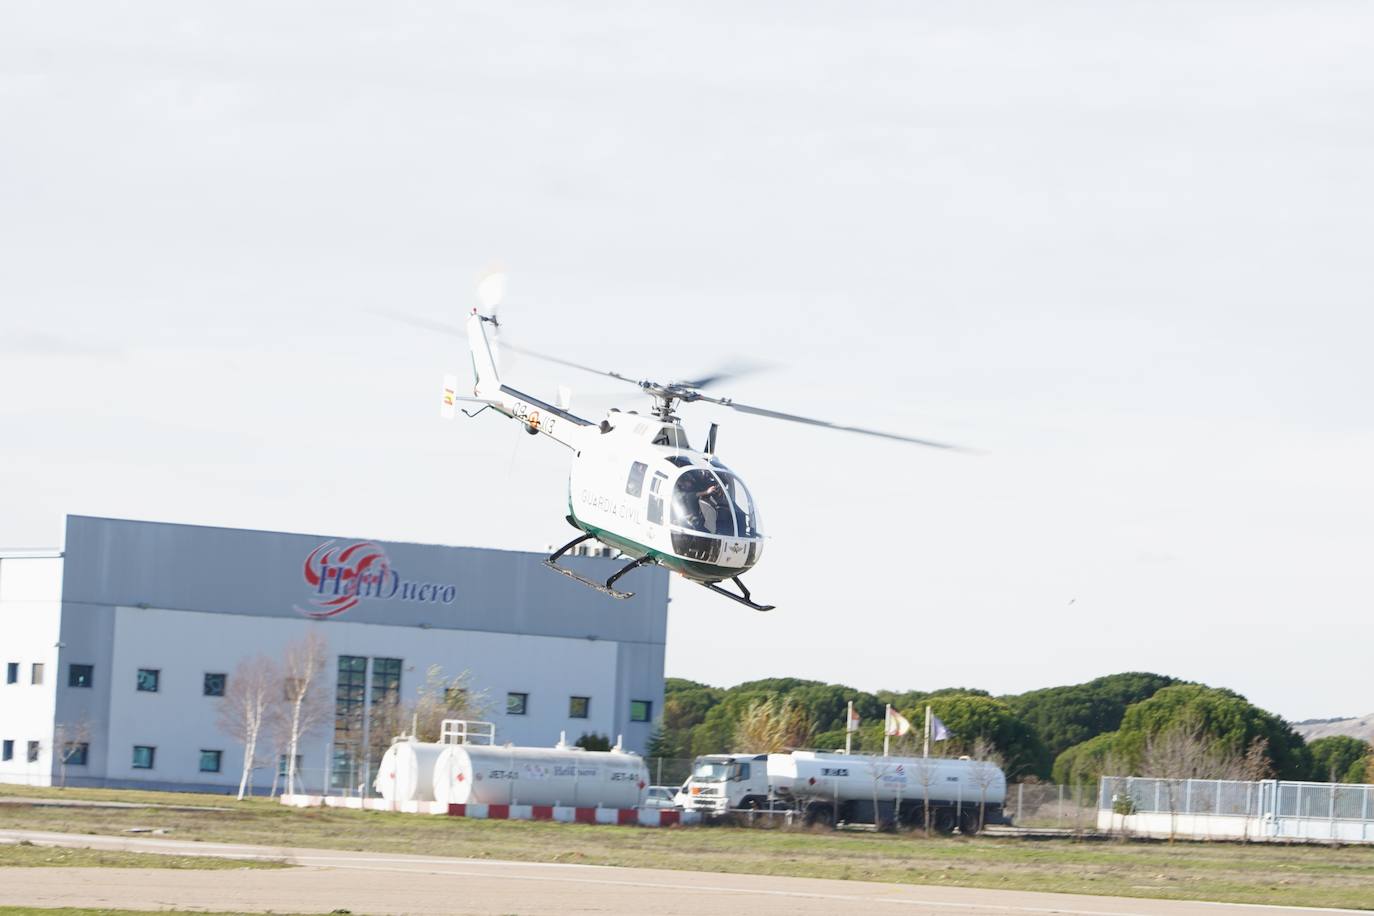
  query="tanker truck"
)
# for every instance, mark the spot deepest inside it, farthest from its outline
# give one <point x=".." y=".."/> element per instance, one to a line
<point x="830" y="789"/>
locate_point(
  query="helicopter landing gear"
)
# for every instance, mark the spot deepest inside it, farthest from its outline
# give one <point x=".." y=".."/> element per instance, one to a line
<point x="607" y="589"/>
<point x="743" y="598"/>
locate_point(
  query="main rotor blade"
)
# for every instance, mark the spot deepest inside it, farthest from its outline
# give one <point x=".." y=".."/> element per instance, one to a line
<point x="826" y="424"/>
<point x="558" y="360"/>
<point x="444" y="327"/>
<point x="727" y="371"/>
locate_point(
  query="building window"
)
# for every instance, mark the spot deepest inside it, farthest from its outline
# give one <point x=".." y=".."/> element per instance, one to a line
<point x="281" y="765"/>
<point x="578" y="707"/>
<point x="143" y="756"/>
<point x="80" y="675"/>
<point x="210" y="761"/>
<point x="148" y="678"/>
<point x="386" y="681"/>
<point x="350" y="700"/>
<point x="517" y="703"/>
<point x="74" y="753"/>
<point x="214" y="686"/>
<point x="7" y="750"/>
<point x="33" y="752"/>
<point x="384" y="708"/>
<point x="12" y="673"/>
<point x="641" y="710"/>
<point x="36" y="674"/>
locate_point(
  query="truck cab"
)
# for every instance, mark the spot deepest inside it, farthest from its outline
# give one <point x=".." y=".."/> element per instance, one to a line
<point x="721" y="782"/>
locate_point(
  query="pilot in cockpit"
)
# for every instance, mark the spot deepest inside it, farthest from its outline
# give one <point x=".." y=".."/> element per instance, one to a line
<point x="715" y="508"/>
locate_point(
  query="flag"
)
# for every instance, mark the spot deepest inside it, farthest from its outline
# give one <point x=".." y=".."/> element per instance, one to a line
<point x="896" y="723"/>
<point x="938" y="730"/>
<point x="853" y="724"/>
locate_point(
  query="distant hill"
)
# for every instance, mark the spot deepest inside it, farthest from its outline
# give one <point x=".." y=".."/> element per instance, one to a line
<point x="1361" y="727"/>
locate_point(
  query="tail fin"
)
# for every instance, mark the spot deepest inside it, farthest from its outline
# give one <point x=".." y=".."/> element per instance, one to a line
<point x="487" y="382"/>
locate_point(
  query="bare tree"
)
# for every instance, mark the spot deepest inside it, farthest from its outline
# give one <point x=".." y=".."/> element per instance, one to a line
<point x="925" y="770"/>
<point x="773" y="726"/>
<point x="305" y="697"/>
<point x="1186" y="751"/>
<point x="253" y="688"/>
<point x="442" y="697"/>
<point x="879" y="767"/>
<point x="987" y="766"/>
<point x="70" y="739"/>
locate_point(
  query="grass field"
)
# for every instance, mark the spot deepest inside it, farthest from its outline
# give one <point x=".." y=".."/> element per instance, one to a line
<point x="1292" y="875"/>
<point x="74" y="911"/>
<point x="25" y="855"/>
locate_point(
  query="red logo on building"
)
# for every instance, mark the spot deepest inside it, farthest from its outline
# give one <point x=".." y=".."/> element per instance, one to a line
<point x="340" y="576"/>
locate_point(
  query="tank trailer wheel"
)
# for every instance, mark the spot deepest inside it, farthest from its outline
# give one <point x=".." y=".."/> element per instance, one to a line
<point x="942" y="821"/>
<point x="968" y="822"/>
<point x="819" y="815"/>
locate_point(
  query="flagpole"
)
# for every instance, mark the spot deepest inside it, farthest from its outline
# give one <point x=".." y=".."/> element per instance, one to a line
<point x="925" y="749"/>
<point x="849" y="728"/>
<point x="887" y="718"/>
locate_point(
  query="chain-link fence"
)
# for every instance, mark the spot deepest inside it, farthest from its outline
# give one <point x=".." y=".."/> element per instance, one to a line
<point x="1044" y="805"/>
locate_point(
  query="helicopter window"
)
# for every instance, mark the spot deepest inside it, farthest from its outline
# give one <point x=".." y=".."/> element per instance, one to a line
<point x="700" y="504"/>
<point x="746" y="518"/>
<point x="635" y="484"/>
<point x="656" y="498"/>
<point x="681" y="461"/>
<point x="696" y="547"/>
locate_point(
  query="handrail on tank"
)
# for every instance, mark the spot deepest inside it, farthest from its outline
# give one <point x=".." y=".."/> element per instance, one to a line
<point x="467" y="731"/>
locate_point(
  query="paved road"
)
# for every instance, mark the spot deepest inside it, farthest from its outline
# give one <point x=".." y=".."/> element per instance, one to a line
<point x="377" y="883"/>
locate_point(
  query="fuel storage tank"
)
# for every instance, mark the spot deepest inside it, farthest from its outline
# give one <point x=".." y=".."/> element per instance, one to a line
<point x="478" y="774"/>
<point x="406" y="772"/>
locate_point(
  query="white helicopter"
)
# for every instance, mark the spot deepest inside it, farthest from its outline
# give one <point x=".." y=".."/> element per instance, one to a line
<point x="636" y="483"/>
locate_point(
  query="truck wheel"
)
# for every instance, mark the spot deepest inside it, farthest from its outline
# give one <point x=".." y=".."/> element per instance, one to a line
<point x="819" y="816"/>
<point x="942" y="821"/>
<point x="968" y="823"/>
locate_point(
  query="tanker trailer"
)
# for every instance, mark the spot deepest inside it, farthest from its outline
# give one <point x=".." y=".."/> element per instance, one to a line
<point x="842" y="788"/>
<point x="406" y="772"/>
<point x="482" y="774"/>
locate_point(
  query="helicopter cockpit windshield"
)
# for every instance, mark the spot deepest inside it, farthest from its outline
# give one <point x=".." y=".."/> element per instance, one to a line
<point x="714" y="502"/>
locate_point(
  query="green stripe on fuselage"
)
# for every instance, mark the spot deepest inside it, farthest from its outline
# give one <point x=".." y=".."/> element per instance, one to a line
<point x="692" y="569"/>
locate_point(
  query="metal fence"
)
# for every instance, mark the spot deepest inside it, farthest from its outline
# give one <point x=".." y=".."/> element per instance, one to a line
<point x="1043" y="805"/>
<point x="1214" y="807"/>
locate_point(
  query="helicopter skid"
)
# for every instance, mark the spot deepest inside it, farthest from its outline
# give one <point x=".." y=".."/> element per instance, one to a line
<point x="609" y="587"/>
<point x="588" y="582"/>
<point x="743" y="599"/>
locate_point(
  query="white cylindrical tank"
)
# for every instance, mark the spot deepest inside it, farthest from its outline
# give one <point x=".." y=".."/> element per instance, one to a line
<point x="480" y="774"/>
<point x="406" y="772"/>
<point x="849" y="777"/>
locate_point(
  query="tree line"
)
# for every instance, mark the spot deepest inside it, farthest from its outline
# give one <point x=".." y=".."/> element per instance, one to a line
<point x="1134" y="723"/>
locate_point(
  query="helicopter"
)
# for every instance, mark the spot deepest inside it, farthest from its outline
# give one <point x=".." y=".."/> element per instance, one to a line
<point x="636" y="483"/>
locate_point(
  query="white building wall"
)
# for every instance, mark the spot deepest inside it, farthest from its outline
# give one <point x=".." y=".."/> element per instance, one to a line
<point x="179" y="721"/>
<point x="30" y="617"/>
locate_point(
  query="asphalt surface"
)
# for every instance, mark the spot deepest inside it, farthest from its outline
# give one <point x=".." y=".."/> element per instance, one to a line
<point x="377" y="883"/>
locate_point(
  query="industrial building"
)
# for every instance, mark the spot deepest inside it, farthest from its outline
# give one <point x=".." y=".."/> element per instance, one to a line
<point x="117" y="649"/>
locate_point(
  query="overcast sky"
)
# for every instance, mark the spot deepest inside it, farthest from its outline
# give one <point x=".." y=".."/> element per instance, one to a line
<point x="1121" y="248"/>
